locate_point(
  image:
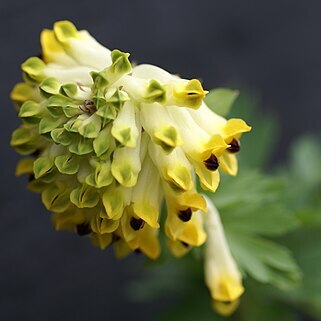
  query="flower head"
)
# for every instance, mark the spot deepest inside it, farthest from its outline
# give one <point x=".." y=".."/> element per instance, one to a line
<point x="109" y="142"/>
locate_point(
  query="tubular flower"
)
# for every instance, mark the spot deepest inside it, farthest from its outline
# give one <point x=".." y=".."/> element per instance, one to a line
<point x="221" y="272"/>
<point x="108" y="143"/>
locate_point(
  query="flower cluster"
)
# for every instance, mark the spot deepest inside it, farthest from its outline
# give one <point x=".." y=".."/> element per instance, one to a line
<point x="109" y="142"/>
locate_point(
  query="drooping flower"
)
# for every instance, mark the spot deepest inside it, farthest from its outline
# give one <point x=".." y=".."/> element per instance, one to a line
<point x="108" y="143"/>
<point x="222" y="276"/>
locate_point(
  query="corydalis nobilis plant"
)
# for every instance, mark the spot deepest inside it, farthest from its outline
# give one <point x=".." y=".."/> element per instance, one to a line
<point x="108" y="143"/>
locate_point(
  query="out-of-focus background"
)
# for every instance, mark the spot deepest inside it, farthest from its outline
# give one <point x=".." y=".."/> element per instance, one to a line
<point x="272" y="47"/>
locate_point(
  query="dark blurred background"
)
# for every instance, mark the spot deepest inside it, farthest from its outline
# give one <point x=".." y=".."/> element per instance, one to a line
<point x="271" y="47"/>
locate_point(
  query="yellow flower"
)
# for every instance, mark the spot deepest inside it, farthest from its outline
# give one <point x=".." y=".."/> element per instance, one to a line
<point x="222" y="276"/>
<point x="109" y="143"/>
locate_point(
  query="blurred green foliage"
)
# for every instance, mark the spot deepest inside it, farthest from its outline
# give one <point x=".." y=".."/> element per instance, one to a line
<point x="272" y="220"/>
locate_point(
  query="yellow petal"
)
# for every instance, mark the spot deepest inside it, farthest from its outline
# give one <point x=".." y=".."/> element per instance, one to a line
<point x="190" y="94"/>
<point x="147" y="241"/>
<point x="101" y="240"/>
<point x="234" y="128"/>
<point x="121" y="248"/>
<point x="209" y="179"/>
<point x="113" y="203"/>
<point x="177" y="248"/>
<point x="25" y="166"/>
<point x="228" y="163"/>
<point x="225" y="308"/>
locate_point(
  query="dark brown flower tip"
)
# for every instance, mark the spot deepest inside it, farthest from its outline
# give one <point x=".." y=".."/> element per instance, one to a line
<point x="235" y="146"/>
<point x="185" y="215"/>
<point x="212" y="163"/>
<point x="83" y="229"/>
<point x="185" y="244"/>
<point x="136" y="223"/>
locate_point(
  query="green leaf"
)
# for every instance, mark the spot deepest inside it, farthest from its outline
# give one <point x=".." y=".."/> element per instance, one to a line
<point x="258" y="147"/>
<point x="268" y="220"/>
<point x="305" y="160"/>
<point x="264" y="260"/>
<point x="306" y="247"/>
<point x="221" y="100"/>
